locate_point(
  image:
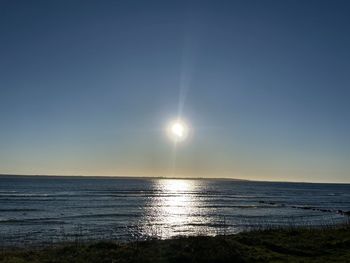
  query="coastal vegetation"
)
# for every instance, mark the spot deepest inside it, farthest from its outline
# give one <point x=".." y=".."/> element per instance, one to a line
<point x="295" y="244"/>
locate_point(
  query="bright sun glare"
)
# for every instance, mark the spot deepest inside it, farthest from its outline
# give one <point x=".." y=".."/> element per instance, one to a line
<point x="178" y="130"/>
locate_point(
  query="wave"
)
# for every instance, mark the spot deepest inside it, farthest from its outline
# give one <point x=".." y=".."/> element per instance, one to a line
<point x="46" y="221"/>
<point x="18" y="210"/>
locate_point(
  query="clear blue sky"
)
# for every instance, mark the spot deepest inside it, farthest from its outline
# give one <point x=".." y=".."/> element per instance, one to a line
<point x="86" y="88"/>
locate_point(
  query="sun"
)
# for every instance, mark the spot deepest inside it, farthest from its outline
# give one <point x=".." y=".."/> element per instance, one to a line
<point x="178" y="130"/>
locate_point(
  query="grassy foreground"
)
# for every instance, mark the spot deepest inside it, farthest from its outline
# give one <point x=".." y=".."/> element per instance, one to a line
<point x="288" y="245"/>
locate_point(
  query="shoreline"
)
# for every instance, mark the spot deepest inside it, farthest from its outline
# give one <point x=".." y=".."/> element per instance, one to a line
<point x="327" y="244"/>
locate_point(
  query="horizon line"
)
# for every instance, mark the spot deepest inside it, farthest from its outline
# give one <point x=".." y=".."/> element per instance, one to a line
<point x="164" y="177"/>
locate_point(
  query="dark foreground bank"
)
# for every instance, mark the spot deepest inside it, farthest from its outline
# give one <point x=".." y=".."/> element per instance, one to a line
<point x="288" y="245"/>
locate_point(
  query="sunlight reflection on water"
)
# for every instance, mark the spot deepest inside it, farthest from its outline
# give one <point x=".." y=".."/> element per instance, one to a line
<point x="177" y="204"/>
<point x="175" y="210"/>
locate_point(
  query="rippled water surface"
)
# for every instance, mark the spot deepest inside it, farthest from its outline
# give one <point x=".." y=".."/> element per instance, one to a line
<point x="43" y="209"/>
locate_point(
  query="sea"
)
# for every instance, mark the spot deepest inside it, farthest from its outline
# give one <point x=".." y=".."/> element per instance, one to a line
<point x="38" y="209"/>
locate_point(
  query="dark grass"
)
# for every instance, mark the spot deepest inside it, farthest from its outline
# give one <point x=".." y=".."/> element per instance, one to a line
<point x="329" y="244"/>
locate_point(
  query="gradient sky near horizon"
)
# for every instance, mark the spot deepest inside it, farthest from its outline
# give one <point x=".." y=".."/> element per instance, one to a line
<point x="87" y="87"/>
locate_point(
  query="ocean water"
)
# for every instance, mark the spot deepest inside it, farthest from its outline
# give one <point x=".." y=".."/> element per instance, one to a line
<point x="45" y="209"/>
